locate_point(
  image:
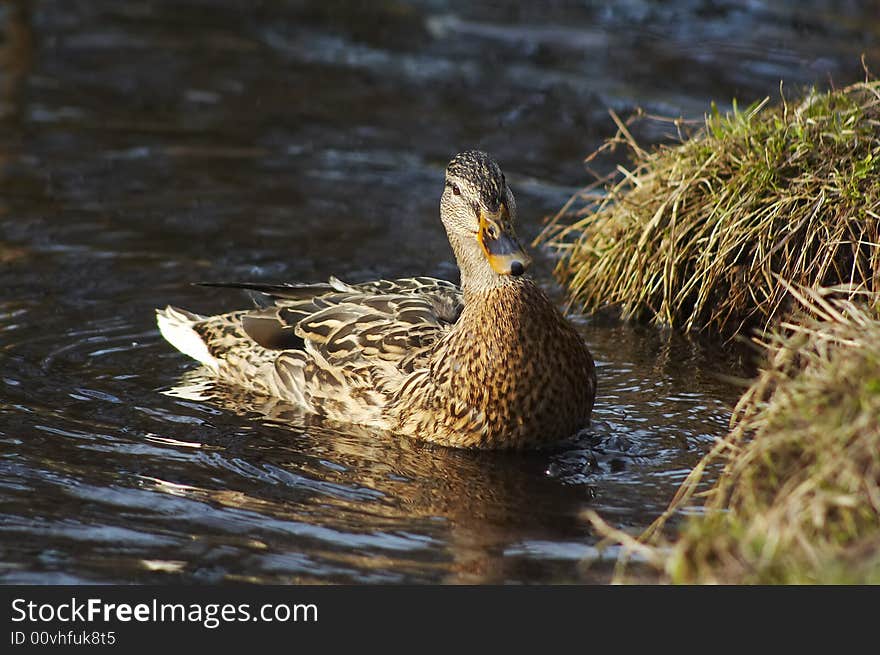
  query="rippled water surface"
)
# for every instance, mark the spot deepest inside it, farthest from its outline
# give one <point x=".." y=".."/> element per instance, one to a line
<point x="145" y="145"/>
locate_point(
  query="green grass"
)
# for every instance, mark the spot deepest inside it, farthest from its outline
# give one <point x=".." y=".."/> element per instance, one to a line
<point x="767" y="222"/>
<point x="698" y="236"/>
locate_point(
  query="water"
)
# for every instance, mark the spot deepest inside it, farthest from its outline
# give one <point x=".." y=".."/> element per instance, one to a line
<point x="146" y="145"/>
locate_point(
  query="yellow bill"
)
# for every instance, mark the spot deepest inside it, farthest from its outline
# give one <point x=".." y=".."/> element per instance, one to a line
<point x="500" y="245"/>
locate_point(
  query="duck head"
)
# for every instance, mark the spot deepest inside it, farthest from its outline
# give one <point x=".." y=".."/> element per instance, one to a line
<point x="478" y="211"/>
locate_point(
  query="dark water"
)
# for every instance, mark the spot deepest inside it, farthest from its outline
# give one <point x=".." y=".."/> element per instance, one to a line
<point x="145" y="145"/>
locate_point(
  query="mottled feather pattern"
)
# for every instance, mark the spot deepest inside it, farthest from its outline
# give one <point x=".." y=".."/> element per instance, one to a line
<point x="354" y="342"/>
<point x="480" y="168"/>
<point x="237" y="354"/>
<point x="514" y="373"/>
<point x="491" y="365"/>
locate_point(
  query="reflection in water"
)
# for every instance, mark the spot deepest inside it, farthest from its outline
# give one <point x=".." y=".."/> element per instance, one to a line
<point x="147" y="145"/>
<point x="476" y="500"/>
<point x="489" y="514"/>
<point x="16" y="56"/>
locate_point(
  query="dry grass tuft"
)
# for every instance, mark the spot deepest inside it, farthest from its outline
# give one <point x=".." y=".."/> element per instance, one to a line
<point x="699" y="235"/>
<point x="798" y="499"/>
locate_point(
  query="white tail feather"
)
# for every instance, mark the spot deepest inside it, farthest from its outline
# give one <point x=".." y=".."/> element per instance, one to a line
<point x="176" y="326"/>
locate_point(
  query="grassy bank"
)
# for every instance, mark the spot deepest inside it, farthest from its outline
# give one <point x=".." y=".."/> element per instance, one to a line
<point x="767" y="222"/>
<point x="699" y="235"/>
<point x="798" y="498"/>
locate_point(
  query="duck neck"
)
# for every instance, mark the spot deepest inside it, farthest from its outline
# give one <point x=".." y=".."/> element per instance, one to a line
<point x="477" y="276"/>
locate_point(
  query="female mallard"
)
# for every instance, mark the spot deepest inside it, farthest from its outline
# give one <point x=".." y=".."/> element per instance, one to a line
<point x="492" y="364"/>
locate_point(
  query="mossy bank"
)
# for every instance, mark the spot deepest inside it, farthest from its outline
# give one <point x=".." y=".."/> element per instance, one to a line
<point x="698" y="235"/>
<point x="764" y="225"/>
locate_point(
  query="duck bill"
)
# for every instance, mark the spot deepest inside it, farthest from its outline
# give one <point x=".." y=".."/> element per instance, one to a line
<point x="501" y="247"/>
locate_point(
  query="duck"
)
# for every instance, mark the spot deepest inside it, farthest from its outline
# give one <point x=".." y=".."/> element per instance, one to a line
<point x="490" y="363"/>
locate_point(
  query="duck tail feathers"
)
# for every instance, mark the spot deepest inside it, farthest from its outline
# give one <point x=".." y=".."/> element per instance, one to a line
<point x="176" y="325"/>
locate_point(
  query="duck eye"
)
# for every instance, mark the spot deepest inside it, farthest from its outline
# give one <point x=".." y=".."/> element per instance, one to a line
<point x="455" y="189"/>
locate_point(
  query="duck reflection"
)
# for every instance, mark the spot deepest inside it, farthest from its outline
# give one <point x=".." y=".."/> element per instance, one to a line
<point x="479" y="505"/>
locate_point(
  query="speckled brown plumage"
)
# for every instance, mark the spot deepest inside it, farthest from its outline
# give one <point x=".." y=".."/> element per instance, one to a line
<point x="512" y="373"/>
<point x="490" y="364"/>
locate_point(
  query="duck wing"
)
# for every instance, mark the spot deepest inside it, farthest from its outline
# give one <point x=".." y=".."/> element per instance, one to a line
<point x="444" y="296"/>
<point x="391" y="329"/>
<point x="356" y="352"/>
<point x="349" y="344"/>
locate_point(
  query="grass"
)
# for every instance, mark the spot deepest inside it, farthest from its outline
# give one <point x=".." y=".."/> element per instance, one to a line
<point x="699" y="235"/>
<point x="766" y="221"/>
<point x="798" y="498"/>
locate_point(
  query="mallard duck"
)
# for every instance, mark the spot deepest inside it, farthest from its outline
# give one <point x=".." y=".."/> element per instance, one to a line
<point x="490" y="364"/>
